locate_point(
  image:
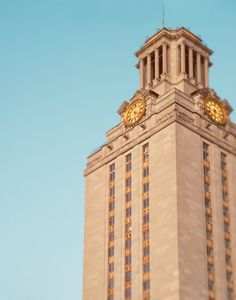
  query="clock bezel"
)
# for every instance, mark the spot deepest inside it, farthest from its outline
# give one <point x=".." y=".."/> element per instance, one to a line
<point x="207" y="112"/>
<point x="126" y="121"/>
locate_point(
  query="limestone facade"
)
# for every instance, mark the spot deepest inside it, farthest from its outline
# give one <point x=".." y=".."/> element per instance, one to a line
<point x="175" y="127"/>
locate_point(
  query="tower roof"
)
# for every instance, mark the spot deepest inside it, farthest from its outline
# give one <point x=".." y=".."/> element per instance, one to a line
<point x="173" y="34"/>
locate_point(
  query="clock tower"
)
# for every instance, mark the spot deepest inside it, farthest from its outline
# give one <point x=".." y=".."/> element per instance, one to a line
<point x="160" y="219"/>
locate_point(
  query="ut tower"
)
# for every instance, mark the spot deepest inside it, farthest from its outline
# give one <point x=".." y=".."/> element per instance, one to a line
<point x="160" y="220"/>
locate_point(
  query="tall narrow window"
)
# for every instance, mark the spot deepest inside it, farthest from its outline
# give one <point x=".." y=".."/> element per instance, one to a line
<point x="160" y="60"/>
<point x="187" y="60"/>
<point x="145" y="225"/>
<point x="152" y="65"/>
<point x="168" y="59"/>
<point x="194" y="64"/>
<point x="202" y="71"/>
<point x="208" y="222"/>
<point x="179" y="59"/>
<point x="128" y="225"/>
<point x="226" y="217"/>
<point x="145" y="71"/>
<point x="111" y="232"/>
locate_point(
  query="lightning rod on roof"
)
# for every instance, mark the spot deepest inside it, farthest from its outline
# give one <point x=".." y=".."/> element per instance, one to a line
<point x="163" y="15"/>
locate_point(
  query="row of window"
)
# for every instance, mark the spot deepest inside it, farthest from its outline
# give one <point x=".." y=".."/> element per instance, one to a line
<point x="208" y="221"/>
<point x="111" y="233"/>
<point x="128" y="226"/>
<point x="146" y="249"/>
<point x="226" y="216"/>
<point x="209" y="226"/>
<point x="146" y="234"/>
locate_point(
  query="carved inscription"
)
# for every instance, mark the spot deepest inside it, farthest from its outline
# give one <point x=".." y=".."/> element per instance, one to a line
<point x="166" y="117"/>
<point x="175" y="113"/>
<point x="181" y="115"/>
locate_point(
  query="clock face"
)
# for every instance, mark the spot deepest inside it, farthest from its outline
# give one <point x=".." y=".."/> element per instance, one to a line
<point x="134" y="112"/>
<point x="215" y="111"/>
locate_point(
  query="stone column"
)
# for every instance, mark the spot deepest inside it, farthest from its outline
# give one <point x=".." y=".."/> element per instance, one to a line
<point x="190" y="63"/>
<point x="182" y="58"/>
<point x="164" y="61"/>
<point x="141" y="73"/>
<point x="199" y="77"/>
<point x="206" y="68"/>
<point x="157" y="71"/>
<point x="148" y="69"/>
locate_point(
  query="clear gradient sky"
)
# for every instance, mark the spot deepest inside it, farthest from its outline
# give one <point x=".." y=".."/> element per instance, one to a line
<point x="65" y="67"/>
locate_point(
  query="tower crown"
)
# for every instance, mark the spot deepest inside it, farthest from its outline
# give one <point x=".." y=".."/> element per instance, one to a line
<point x="173" y="58"/>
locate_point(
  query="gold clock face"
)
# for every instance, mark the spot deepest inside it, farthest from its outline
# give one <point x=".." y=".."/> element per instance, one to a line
<point x="215" y="111"/>
<point x="134" y="112"/>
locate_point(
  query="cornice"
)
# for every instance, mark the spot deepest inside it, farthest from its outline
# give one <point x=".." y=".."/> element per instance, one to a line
<point x="174" y="113"/>
<point x="174" y="34"/>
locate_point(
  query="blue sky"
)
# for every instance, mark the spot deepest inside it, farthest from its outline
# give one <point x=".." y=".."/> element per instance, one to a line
<point x="66" y="66"/>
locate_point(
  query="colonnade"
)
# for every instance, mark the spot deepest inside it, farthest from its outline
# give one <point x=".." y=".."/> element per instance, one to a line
<point x="201" y="76"/>
<point x="190" y="63"/>
<point x="160" y="65"/>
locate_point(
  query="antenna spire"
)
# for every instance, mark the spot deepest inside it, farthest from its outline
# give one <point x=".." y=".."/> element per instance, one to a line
<point x="163" y="15"/>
